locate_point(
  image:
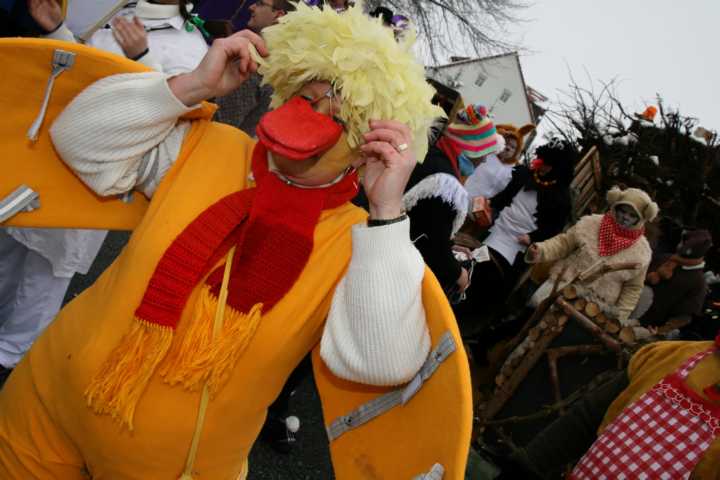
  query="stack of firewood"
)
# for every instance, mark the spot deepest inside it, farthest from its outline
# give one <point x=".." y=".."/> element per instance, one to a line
<point x="592" y="310"/>
<point x="539" y="336"/>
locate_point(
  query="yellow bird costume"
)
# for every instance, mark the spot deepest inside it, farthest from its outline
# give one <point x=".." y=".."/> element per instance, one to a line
<point x="110" y="392"/>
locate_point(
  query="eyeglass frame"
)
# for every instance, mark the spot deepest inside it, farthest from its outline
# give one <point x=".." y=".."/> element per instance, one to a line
<point x="330" y="94"/>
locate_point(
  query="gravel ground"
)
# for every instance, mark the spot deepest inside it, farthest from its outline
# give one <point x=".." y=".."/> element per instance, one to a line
<point x="309" y="459"/>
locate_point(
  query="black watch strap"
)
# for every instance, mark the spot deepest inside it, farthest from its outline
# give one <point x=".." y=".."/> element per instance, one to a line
<point x="140" y="55"/>
<point x="378" y="223"/>
<point x="48" y="32"/>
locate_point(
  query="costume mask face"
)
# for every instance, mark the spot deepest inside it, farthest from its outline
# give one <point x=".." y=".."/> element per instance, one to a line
<point x="626" y="216"/>
<point x="510" y="148"/>
<point x="296" y="131"/>
<point x="540" y="167"/>
<point x="327" y="168"/>
<point x="467" y="166"/>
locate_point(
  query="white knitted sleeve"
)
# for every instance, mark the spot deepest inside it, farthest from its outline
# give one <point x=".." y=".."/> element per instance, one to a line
<point x="121" y="132"/>
<point x="376" y="331"/>
<point x="62" y="33"/>
<point x="150" y="60"/>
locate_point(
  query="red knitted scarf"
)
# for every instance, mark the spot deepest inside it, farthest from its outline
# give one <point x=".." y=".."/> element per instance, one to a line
<point x="272" y="226"/>
<point x="452" y="151"/>
<point x="614" y="238"/>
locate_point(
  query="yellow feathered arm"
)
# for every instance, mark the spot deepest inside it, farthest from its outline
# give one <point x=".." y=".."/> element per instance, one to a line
<point x="65" y="202"/>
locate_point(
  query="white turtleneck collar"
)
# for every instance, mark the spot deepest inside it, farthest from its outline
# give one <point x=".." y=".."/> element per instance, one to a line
<point x="157" y="11"/>
<point x="699" y="266"/>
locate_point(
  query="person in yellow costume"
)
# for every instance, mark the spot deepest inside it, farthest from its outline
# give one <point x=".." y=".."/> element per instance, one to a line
<point x="659" y="418"/>
<point x="247" y="256"/>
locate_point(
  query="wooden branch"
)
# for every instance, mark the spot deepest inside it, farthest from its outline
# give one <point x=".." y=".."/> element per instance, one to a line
<point x="105" y="19"/>
<point x="554" y="354"/>
<point x="591" y="276"/>
<point x="539" y="312"/>
<point x="548" y="410"/>
<point x="589" y="325"/>
<point x="712" y="200"/>
<point x="555" y="379"/>
<point x="505" y="391"/>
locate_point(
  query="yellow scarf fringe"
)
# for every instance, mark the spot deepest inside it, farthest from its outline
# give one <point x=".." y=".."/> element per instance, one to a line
<point x="116" y="388"/>
<point x="195" y="358"/>
<point x="190" y="361"/>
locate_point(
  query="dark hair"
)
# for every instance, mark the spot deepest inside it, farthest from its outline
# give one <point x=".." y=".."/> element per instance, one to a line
<point x="385" y="13"/>
<point x="283" y="5"/>
<point x="561" y="156"/>
<point x="184" y="13"/>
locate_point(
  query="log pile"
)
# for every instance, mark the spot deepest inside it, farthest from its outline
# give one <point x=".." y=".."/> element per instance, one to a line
<point x="535" y="343"/>
<point x="552" y="324"/>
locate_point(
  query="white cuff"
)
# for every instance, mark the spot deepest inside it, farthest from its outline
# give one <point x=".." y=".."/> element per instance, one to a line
<point x="62" y="33"/>
<point x="376" y="331"/>
<point x="376" y="245"/>
<point x="150" y="61"/>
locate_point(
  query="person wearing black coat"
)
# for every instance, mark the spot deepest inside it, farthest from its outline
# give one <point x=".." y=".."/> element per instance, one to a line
<point x="533" y="207"/>
<point x="437" y="205"/>
<point x="436" y="201"/>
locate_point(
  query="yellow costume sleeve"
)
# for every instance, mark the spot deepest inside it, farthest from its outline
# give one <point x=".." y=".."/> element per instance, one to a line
<point x="432" y="427"/>
<point x="65" y="202"/>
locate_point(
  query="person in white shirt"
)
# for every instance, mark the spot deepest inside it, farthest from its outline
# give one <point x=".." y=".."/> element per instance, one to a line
<point x="161" y="34"/>
<point x="493" y="174"/>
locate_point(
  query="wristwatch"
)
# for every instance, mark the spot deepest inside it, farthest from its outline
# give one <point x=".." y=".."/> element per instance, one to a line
<point x="378" y="223"/>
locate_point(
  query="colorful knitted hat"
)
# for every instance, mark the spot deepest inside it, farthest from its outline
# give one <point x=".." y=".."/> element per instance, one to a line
<point x="474" y="132"/>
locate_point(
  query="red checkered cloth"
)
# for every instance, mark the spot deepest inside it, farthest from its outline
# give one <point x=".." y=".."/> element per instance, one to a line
<point x="662" y="435"/>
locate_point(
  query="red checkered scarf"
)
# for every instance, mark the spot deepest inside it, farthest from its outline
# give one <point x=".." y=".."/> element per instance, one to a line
<point x="614" y="238"/>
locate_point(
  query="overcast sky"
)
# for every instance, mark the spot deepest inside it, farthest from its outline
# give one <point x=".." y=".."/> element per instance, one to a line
<point x="671" y="47"/>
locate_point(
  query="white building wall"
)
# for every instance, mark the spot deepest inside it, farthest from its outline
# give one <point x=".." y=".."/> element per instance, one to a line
<point x="488" y="81"/>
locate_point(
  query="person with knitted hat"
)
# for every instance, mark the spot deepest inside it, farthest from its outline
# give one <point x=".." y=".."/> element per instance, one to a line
<point x="469" y="139"/>
<point x="616" y="237"/>
<point x="493" y="174"/>
<point x="435" y="199"/>
<point x="675" y="288"/>
<point x="247" y="256"/>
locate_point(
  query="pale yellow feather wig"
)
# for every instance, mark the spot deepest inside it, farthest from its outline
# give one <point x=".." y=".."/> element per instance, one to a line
<point x="375" y="76"/>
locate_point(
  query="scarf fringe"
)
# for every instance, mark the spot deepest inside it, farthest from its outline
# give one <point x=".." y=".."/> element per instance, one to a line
<point x="117" y="387"/>
<point x="196" y="359"/>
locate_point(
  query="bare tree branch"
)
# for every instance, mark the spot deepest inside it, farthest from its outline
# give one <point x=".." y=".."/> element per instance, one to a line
<point x="459" y="27"/>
